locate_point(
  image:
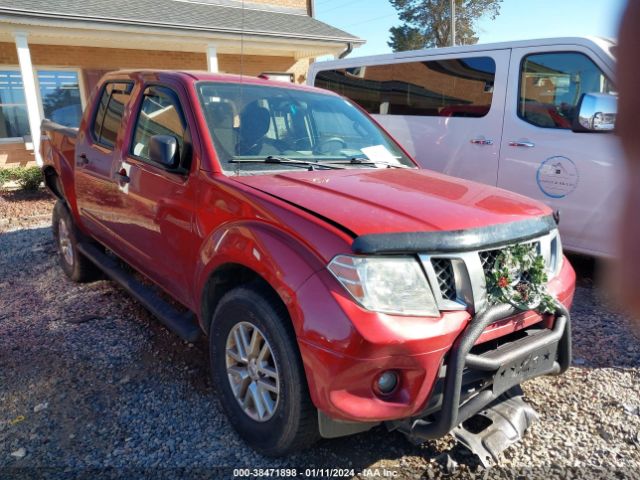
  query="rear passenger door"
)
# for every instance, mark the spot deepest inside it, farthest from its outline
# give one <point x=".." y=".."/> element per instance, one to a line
<point x="446" y="110"/>
<point x="157" y="221"/>
<point x="96" y="156"/>
<point x="576" y="173"/>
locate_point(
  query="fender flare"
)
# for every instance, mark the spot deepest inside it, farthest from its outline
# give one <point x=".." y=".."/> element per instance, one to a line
<point x="277" y="257"/>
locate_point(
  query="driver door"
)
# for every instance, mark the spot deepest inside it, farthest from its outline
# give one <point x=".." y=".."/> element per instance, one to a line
<point x="159" y="202"/>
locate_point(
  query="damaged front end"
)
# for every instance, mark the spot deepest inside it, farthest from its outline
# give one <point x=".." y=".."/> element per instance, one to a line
<point x="477" y="397"/>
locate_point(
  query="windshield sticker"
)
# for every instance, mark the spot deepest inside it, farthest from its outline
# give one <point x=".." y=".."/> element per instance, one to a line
<point x="379" y="153"/>
<point x="557" y="177"/>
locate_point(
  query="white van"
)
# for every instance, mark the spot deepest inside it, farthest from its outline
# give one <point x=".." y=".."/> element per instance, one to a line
<point x="535" y="117"/>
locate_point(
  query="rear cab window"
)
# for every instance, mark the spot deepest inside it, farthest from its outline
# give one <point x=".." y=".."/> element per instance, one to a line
<point x="461" y="87"/>
<point x="552" y="84"/>
<point x="108" y="117"/>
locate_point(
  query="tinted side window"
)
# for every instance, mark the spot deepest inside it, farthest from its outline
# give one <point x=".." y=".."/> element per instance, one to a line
<point x="363" y="85"/>
<point x="109" y="112"/>
<point x="551" y="85"/>
<point x="113" y="116"/>
<point x="443" y="88"/>
<point x="102" y="107"/>
<point x="160" y="114"/>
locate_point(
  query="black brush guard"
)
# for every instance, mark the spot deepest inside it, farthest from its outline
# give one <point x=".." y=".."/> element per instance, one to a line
<point x="546" y="352"/>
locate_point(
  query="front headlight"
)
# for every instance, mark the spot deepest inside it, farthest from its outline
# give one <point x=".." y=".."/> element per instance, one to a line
<point x="386" y="285"/>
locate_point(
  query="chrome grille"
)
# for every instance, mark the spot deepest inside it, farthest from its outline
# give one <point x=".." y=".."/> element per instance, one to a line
<point x="446" y="279"/>
<point x="488" y="257"/>
<point x="459" y="280"/>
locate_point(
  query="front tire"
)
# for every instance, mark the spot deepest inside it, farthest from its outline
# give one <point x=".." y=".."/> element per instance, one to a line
<point x="66" y="235"/>
<point x="258" y="372"/>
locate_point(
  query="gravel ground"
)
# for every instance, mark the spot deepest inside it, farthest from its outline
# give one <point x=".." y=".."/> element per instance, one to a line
<point x="91" y="386"/>
<point x="19" y="208"/>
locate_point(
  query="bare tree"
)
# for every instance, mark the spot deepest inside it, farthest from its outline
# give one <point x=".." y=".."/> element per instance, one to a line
<point x="427" y="23"/>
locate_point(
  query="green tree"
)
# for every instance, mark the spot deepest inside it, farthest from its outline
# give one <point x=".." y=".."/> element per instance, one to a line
<point x="427" y="23"/>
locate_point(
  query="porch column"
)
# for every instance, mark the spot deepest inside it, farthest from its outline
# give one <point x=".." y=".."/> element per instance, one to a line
<point x="30" y="93"/>
<point x="212" y="58"/>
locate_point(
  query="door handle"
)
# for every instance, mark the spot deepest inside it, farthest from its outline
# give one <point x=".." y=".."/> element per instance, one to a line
<point x="122" y="176"/>
<point x="83" y="160"/>
<point x="481" y="141"/>
<point x="523" y="143"/>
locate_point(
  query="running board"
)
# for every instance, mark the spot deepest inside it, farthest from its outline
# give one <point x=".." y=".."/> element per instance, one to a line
<point x="505" y="421"/>
<point x="182" y="324"/>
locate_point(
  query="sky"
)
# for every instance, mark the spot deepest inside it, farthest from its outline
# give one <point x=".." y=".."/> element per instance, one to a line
<point x="518" y="20"/>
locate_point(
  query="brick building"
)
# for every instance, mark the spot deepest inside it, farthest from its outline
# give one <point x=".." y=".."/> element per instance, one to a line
<point x="52" y="54"/>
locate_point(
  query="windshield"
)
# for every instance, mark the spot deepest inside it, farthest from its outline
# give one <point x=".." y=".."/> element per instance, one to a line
<point x="255" y="122"/>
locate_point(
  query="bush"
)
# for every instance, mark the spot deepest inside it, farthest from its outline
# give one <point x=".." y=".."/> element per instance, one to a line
<point x="28" y="178"/>
<point x="5" y="175"/>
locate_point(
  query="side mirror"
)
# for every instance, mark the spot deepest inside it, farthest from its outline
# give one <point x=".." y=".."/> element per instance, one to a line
<point x="596" y="113"/>
<point x="163" y="150"/>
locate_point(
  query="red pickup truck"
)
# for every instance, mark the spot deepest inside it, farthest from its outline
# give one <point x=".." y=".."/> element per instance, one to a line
<point x="340" y="286"/>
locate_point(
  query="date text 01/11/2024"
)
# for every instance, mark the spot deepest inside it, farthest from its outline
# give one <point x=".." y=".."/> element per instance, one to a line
<point x="374" y="472"/>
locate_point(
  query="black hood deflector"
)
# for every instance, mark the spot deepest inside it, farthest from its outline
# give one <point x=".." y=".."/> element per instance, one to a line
<point x="453" y="241"/>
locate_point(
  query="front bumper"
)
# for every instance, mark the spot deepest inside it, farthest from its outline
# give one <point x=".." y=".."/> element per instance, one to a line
<point x="472" y="381"/>
<point x="344" y="348"/>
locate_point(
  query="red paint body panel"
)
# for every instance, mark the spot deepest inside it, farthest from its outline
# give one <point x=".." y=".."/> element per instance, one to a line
<point x="387" y="201"/>
<point x="344" y="347"/>
<point x="178" y="229"/>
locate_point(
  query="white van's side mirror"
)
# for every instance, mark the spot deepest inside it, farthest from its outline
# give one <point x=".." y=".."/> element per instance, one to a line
<point x="596" y="113"/>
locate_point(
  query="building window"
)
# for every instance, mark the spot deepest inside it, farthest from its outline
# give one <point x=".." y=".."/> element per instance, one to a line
<point x="60" y="95"/>
<point x="14" y="122"/>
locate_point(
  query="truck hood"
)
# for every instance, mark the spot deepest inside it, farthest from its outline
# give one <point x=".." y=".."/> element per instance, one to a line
<point x="396" y="200"/>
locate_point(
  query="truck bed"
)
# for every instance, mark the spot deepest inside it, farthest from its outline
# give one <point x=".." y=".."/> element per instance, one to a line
<point x="58" y="156"/>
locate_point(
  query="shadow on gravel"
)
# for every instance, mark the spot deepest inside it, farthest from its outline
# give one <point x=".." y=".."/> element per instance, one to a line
<point x="20" y="246"/>
<point x="24" y="195"/>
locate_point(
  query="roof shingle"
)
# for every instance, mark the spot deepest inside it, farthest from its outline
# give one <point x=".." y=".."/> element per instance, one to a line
<point x="181" y="15"/>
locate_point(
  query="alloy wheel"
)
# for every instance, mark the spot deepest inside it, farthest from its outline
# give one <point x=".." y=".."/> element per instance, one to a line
<point x="252" y="371"/>
<point x="64" y="241"/>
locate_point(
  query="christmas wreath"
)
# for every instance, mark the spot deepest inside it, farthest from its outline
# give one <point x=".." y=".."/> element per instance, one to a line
<point x="519" y="277"/>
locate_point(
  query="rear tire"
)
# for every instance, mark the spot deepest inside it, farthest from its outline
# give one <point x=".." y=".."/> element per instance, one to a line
<point x="265" y="396"/>
<point x="66" y="235"/>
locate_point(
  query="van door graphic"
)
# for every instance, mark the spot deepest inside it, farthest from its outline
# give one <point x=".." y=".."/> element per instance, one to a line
<point x="557" y="177"/>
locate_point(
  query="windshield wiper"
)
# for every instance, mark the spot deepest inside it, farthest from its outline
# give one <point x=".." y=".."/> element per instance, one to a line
<point x="364" y="161"/>
<point x="276" y="160"/>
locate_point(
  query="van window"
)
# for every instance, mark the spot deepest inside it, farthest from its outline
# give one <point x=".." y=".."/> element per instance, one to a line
<point x="106" y="123"/>
<point x="551" y="85"/>
<point x="160" y="114"/>
<point x="461" y="87"/>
